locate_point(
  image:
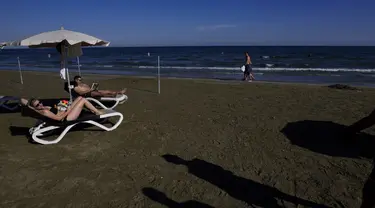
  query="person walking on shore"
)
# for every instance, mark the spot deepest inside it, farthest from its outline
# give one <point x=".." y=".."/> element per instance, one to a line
<point x="248" y="73"/>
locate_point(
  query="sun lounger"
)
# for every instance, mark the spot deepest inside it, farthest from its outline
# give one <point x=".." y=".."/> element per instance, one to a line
<point x="119" y="99"/>
<point x="9" y="103"/>
<point x="110" y="102"/>
<point x="47" y="126"/>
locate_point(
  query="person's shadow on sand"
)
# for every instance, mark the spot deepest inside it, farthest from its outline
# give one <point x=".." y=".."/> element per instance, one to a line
<point x="160" y="197"/>
<point x="251" y="192"/>
<point x="328" y="138"/>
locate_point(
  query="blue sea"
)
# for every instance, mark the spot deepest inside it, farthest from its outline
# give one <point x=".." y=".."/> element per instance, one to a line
<point x="310" y="64"/>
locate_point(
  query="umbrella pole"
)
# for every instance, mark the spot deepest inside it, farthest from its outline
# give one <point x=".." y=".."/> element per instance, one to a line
<point x="19" y="69"/>
<point x="79" y="67"/>
<point x="159" y="74"/>
<point x="65" y="56"/>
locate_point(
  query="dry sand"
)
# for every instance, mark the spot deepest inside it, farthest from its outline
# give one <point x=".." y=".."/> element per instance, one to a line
<point x="198" y="144"/>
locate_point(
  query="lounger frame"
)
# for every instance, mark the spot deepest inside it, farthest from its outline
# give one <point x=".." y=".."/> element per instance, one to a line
<point x="117" y="100"/>
<point x="46" y="127"/>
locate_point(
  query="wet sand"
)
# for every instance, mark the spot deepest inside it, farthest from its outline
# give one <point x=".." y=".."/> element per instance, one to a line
<point x="199" y="143"/>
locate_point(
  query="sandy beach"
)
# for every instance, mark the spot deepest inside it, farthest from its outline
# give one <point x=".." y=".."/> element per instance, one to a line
<point x="199" y="143"/>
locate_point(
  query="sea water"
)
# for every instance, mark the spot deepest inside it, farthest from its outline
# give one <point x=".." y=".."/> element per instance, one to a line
<point x="304" y="64"/>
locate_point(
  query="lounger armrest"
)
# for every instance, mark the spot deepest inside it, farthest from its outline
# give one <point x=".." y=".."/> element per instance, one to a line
<point x="119" y="97"/>
<point x="109" y="113"/>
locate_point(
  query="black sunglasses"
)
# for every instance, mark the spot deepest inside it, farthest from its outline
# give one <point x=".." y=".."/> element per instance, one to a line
<point x="37" y="105"/>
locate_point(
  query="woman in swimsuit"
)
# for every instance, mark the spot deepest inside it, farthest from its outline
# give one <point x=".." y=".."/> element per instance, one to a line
<point x="72" y="112"/>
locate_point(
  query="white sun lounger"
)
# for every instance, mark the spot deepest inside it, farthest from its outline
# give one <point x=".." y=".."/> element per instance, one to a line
<point x="48" y="127"/>
<point x="4" y="103"/>
<point x="119" y="99"/>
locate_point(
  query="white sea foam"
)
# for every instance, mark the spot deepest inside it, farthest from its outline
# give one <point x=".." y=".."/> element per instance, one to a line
<point x="266" y="69"/>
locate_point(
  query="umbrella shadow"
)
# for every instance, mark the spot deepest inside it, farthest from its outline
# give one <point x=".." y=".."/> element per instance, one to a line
<point x="246" y="190"/>
<point x="162" y="198"/>
<point x="368" y="191"/>
<point x="326" y="137"/>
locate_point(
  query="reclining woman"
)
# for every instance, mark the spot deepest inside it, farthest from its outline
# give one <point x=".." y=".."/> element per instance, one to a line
<point x="71" y="113"/>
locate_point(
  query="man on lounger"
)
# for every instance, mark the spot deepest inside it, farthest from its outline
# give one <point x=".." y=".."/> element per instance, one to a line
<point x="85" y="90"/>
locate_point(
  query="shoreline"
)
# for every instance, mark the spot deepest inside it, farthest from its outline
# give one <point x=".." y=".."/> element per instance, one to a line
<point x="226" y="81"/>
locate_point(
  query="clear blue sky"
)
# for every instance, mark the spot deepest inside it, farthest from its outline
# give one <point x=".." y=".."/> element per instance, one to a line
<point x="197" y="22"/>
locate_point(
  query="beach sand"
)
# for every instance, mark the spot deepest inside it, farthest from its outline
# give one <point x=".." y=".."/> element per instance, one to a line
<point x="199" y="143"/>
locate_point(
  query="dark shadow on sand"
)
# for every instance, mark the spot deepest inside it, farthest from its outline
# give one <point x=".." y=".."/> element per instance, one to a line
<point x="162" y="198"/>
<point x="21" y="131"/>
<point x="328" y="138"/>
<point x="251" y="192"/>
<point x="368" y="192"/>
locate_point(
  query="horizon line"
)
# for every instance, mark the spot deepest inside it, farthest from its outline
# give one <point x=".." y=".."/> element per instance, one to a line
<point x="163" y="46"/>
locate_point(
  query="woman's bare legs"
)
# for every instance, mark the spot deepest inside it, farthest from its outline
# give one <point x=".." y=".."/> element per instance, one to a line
<point x="77" y="106"/>
<point x="76" y="101"/>
<point x="252" y="76"/>
<point x="104" y="93"/>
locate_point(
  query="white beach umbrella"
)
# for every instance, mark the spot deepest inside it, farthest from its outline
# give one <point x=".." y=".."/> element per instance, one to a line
<point x="53" y="38"/>
<point x="66" y="42"/>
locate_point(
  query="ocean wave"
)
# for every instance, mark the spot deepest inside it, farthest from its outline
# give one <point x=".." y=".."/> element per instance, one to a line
<point x="264" y="69"/>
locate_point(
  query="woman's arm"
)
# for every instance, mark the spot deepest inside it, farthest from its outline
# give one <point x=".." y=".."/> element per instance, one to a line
<point x="53" y="116"/>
